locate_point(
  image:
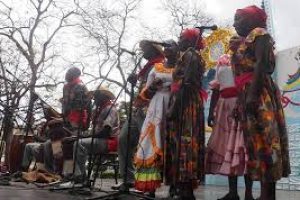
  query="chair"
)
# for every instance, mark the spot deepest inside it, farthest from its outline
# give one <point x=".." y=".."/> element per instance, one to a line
<point x="109" y="159"/>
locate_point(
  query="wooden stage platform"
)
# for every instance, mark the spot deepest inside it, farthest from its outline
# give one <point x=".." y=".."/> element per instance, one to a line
<point x="23" y="191"/>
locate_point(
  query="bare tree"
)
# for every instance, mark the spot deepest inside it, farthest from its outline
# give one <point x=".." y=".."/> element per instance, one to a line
<point x="11" y="91"/>
<point x="32" y="34"/>
<point x="109" y="30"/>
<point x="27" y="31"/>
<point x="186" y="14"/>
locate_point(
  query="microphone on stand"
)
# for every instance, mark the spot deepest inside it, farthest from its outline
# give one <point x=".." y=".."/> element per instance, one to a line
<point x="163" y="44"/>
<point x="127" y="51"/>
<point x="202" y="28"/>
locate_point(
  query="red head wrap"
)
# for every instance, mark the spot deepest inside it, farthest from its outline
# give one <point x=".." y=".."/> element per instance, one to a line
<point x="255" y="15"/>
<point x="193" y="34"/>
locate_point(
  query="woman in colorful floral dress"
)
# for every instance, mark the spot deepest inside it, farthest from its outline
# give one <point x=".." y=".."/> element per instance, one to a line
<point x="259" y="107"/>
<point x="184" y="157"/>
<point x="149" y="156"/>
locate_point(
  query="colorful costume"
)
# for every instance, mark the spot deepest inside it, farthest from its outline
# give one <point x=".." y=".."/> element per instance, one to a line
<point x="184" y="149"/>
<point x="76" y="104"/>
<point x="149" y="156"/>
<point x="104" y="141"/>
<point x="138" y="117"/>
<point x="226" y="151"/>
<point x="264" y="127"/>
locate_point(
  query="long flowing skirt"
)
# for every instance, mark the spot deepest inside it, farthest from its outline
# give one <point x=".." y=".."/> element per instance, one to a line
<point x="184" y="148"/>
<point x="149" y="155"/>
<point x="266" y="135"/>
<point x="226" y="150"/>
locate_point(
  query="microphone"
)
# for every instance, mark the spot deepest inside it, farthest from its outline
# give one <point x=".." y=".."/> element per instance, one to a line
<point x="163" y="44"/>
<point x="127" y="51"/>
<point x="202" y="28"/>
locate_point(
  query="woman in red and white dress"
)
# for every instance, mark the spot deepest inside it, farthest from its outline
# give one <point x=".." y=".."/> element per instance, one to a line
<point x="226" y="152"/>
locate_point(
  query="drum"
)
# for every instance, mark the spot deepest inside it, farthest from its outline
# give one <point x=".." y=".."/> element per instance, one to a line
<point x="16" y="151"/>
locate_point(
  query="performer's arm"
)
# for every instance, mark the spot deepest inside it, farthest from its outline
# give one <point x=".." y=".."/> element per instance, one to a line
<point x="213" y="102"/>
<point x="193" y="68"/>
<point x="151" y="86"/>
<point x="108" y="124"/>
<point x="263" y="51"/>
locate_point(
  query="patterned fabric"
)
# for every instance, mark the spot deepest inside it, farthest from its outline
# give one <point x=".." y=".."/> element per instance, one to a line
<point x="265" y="132"/>
<point x="184" y="147"/>
<point x="142" y="75"/>
<point x="243" y="60"/>
<point x="75" y="100"/>
<point x="107" y="115"/>
<point x="149" y="155"/>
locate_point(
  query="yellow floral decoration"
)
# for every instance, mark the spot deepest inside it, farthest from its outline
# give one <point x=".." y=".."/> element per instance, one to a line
<point x="216" y="44"/>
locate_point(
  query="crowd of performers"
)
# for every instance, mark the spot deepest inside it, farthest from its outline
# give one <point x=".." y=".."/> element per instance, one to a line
<point x="167" y="137"/>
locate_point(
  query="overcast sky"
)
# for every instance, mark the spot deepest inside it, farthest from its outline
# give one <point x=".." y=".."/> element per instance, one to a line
<point x="285" y="16"/>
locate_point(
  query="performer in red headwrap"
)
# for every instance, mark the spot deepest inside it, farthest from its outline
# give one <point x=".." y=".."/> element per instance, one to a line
<point x="184" y="149"/>
<point x="259" y="109"/>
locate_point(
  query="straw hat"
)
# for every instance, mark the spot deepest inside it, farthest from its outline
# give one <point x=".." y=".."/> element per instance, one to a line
<point x="103" y="91"/>
<point x="149" y="43"/>
<point x="49" y="112"/>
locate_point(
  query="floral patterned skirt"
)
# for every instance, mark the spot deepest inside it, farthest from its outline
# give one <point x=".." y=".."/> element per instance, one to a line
<point x="184" y="146"/>
<point x="266" y="136"/>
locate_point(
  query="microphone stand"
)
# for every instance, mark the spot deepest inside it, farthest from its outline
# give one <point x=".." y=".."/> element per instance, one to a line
<point x="90" y="166"/>
<point x="183" y="100"/>
<point x="79" y="133"/>
<point x="125" y="191"/>
<point x="90" y="163"/>
<point x="78" y="136"/>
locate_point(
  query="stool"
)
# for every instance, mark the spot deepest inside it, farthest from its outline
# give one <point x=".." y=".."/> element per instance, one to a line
<point x="111" y="159"/>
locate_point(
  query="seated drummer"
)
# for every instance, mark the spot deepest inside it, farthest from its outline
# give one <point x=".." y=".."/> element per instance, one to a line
<point x="106" y="124"/>
<point x="52" y="149"/>
<point x="33" y="150"/>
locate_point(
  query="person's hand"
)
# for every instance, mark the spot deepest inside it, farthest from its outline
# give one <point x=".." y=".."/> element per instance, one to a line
<point x="104" y="133"/>
<point x="210" y="120"/>
<point x="234" y="113"/>
<point x="140" y="103"/>
<point x="234" y="42"/>
<point x="132" y="78"/>
<point x="156" y="84"/>
<point x="68" y="140"/>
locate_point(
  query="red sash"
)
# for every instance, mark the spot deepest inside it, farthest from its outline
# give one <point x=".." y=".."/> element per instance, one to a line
<point x="243" y="79"/>
<point x="229" y="92"/>
<point x="76" y="117"/>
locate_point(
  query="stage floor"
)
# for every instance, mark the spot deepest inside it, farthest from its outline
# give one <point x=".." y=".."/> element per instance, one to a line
<point x="22" y="191"/>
